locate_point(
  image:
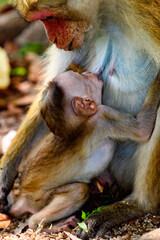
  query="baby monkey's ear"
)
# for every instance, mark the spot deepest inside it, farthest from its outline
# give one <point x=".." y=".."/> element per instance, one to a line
<point x="84" y="106"/>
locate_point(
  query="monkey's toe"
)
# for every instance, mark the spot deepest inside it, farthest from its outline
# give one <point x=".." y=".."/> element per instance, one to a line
<point x="33" y="223"/>
<point x="82" y="234"/>
<point x="93" y="224"/>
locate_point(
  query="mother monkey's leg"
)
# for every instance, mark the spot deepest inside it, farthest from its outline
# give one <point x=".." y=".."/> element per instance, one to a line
<point x="147" y="182"/>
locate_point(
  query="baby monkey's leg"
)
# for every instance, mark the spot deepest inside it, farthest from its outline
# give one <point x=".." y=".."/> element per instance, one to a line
<point x="66" y="200"/>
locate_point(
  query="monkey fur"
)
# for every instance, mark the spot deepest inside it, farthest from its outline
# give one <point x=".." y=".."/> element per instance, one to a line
<point x="54" y="182"/>
<point x="119" y="40"/>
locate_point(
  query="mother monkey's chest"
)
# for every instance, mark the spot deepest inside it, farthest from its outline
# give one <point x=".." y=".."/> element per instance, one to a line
<point x="127" y="71"/>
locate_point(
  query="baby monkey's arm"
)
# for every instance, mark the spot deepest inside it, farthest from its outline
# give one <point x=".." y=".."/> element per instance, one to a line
<point x="125" y="126"/>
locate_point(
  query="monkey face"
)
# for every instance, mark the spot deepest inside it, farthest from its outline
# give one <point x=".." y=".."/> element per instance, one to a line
<point x="66" y="21"/>
<point x="85" y="85"/>
<point x="70" y="100"/>
<point x="81" y="95"/>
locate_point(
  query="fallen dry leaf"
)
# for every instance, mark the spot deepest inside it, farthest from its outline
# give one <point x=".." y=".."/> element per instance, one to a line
<point x="3" y="217"/>
<point x="4" y="220"/>
<point x="153" y="235"/>
<point x="4" y="70"/>
<point x="20" y="227"/>
<point x="13" y="110"/>
<point x="10" y="47"/>
<point x="99" y="186"/>
<point x="6" y="140"/>
<point x="35" y="71"/>
<point x="24" y="87"/>
<point x="24" y="101"/>
<point x="70" y="235"/>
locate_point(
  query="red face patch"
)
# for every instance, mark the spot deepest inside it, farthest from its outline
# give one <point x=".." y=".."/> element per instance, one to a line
<point x="67" y="35"/>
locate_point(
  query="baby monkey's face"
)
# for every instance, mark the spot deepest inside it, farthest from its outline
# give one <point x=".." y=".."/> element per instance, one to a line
<point x="82" y="94"/>
<point x="70" y="100"/>
<point x="85" y="85"/>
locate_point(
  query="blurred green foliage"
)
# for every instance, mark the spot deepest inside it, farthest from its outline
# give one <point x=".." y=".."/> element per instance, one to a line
<point x="2" y="2"/>
<point x="35" y="47"/>
<point x="18" y="71"/>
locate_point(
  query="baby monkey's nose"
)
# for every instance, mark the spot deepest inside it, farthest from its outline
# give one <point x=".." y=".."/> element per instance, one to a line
<point x="88" y="74"/>
<point x="93" y="76"/>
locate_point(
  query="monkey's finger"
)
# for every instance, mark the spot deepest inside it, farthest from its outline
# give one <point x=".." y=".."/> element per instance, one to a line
<point x="82" y="234"/>
<point x="93" y="226"/>
<point x="102" y="231"/>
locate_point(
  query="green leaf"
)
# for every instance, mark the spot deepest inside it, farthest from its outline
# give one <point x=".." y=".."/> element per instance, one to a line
<point x="19" y="71"/>
<point x="3" y="2"/>
<point x="83" y="226"/>
<point x="87" y="214"/>
<point x="99" y="209"/>
<point x="83" y="216"/>
<point x="34" y="47"/>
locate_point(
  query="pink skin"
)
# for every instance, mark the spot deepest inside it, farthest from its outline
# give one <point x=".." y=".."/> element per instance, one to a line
<point x="66" y="34"/>
<point x="21" y="207"/>
<point x="39" y="15"/>
<point x="66" y="224"/>
<point x="112" y="70"/>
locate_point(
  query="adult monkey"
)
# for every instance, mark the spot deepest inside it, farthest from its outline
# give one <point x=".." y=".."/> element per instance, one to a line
<point x="121" y="41"/>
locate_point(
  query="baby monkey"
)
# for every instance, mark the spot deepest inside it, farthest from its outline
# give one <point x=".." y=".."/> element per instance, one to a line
<point x="55" y="181"/>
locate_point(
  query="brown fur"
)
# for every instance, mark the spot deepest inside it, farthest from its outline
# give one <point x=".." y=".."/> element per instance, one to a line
<point x="139" y="21"/>
<point x="63" y="161"/>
